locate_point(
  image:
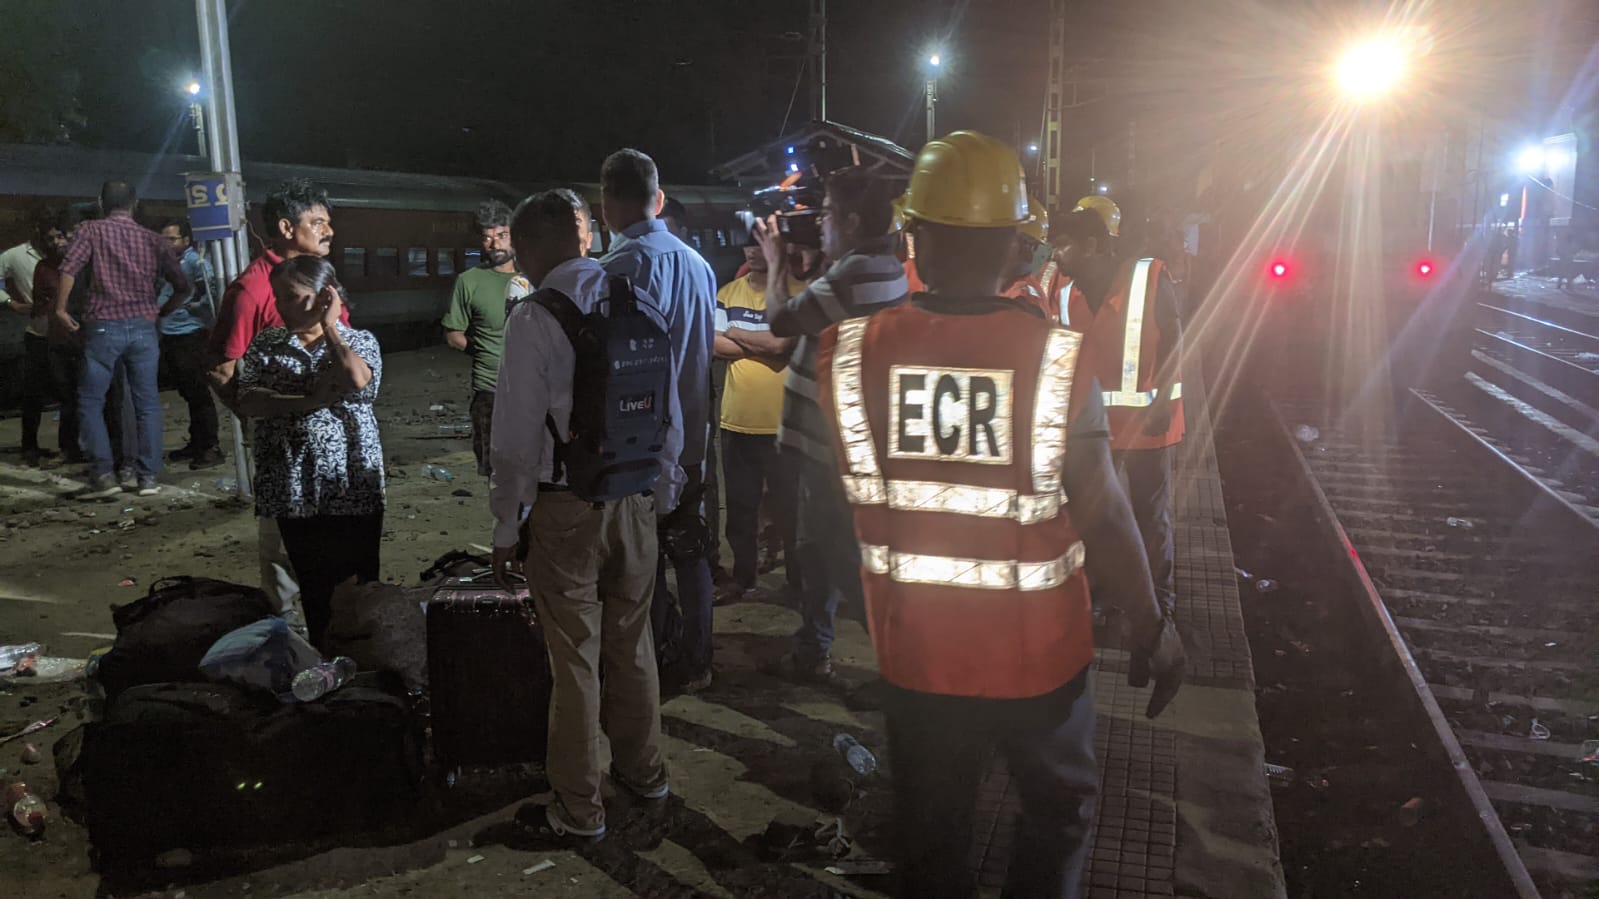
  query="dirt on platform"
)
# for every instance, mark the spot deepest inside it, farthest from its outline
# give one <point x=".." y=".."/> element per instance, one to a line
<point x="740" y="754"/>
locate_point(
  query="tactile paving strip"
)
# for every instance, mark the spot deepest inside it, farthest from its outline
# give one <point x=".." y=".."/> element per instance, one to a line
<point x="1134" y="846"/>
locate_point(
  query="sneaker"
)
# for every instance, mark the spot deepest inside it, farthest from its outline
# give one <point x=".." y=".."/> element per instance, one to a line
<point x="730" y="593"/>
<point x="187" y="451"/>
<point x="148" y="487"/>
<point x="206" y="458"/>
<point x="127" y="478"/>
<point x="102" y="487"/>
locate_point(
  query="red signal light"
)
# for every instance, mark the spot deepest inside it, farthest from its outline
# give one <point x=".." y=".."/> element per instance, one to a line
<point x="1424" y="268"/>
<point x="1279" y="269"/>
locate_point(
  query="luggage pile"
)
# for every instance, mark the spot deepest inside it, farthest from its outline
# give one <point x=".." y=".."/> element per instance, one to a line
<point x="221" y="728"/>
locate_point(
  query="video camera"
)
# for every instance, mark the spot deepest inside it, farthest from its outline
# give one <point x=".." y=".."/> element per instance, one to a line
<point x="797" y="199"/>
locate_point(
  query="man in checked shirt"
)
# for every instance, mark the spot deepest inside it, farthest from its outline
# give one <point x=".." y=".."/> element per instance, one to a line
<point x="119" y="331"/>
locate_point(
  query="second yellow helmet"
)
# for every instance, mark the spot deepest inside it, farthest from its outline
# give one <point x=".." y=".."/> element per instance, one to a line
<point x="1108" y="210"/>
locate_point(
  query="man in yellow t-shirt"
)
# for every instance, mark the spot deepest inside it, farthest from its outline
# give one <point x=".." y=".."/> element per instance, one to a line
<point x="752" y="404"/>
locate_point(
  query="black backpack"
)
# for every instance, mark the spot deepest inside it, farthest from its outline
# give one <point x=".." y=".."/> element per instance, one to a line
<point x="163" y="636"/>
<point x="620" y="381"/>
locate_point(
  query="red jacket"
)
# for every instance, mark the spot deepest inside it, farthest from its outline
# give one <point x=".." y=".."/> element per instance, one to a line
<point x="950" y="431"/>
<point x="248" y="308"/>
<point x="1122" y="347"/>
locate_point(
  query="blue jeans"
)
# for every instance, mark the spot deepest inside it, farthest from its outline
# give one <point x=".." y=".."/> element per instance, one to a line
<point x="829" y="556"/>
<point x="940" y="746"/>
<point x="693" y="649"/>
<point x="130" y="347"/>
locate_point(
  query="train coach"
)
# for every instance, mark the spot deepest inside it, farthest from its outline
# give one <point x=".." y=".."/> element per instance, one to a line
<point x="399" y="238"/>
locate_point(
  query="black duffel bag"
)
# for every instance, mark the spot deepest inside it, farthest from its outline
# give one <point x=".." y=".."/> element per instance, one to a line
<point x="209" y="766"/>
<point x="162" y="637"/>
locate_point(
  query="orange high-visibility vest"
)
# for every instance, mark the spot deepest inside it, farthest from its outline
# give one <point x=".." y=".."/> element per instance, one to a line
<point x="1122" y="346"/>
<point x="950" y="432"/>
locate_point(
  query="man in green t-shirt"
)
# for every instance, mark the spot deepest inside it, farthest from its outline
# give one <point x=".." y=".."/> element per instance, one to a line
<point x="475" y="322"/>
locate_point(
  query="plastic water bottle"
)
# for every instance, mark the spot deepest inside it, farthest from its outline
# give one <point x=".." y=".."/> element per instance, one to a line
<point x="858" y="757"/>
<point x="437" y="472"/>
<point x="11" y="655"/>
<point x="27" y="810"/>
<point x="319" y="680"/>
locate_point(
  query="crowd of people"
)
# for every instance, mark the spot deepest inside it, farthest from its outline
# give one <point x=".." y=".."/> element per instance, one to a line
<point x="899" y="401"/>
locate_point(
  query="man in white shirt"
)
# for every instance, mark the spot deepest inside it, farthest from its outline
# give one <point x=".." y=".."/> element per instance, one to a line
<point x="590" y="565"/>
<point x="16" y="294"/>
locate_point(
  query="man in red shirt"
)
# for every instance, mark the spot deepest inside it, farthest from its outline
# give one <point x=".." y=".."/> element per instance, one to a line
<point x="298" y="222"/>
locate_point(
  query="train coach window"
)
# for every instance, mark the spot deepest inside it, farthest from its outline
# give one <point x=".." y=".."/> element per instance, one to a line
<point x="694" y="238"/>
<point x="721" y="237"/>
<point x="444" y="263"/>
<point x="352" y="263"/>
<point x="416" y="262"/>
<point x="386" y="263"/>
<point x="472" y="258"/>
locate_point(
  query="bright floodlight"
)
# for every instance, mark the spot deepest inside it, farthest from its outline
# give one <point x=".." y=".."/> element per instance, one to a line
<point x="1104" y="188"/>
<point x="1530" y="161"/>
<point x="1032" y="148"/>
<point x="1371" y="68"/>
<point x="193" y="88"/>
<point x="935" y="60"/>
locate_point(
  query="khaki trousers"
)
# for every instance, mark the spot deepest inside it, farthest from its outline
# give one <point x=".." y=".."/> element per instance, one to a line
<point x="592" y="575"/>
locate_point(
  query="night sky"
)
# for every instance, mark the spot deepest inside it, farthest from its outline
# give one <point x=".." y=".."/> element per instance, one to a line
<point x="540" y="89"/>
<point x="537" y="89"/>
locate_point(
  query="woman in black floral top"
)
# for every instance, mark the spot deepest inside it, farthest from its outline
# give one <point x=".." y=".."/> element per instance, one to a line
<point x="318" y="460"/>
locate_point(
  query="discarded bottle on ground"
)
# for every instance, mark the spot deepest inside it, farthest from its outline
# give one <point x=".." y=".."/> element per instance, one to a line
<point x="437" y="472"/>
<point x="858" y="757"/>
<point x="27" y="810"/>
<point x="1454" y="522"/>
<point x="11" y="655"/>
<point x="1306" y="434"/>
<point x="1265" y="585"/>
<point x="319" y="680"/>
<point x="1279" y="775"/>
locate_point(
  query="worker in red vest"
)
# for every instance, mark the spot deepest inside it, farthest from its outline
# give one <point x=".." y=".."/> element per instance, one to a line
<point x="974" y="453"/>
<point x="1131" y="344"/>
<point x="1035" y="276"/>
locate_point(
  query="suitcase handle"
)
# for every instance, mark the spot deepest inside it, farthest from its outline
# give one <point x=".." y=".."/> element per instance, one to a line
<point x="480" y="574"/>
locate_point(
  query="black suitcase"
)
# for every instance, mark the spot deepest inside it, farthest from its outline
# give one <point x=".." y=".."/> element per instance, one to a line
<point x="211" y="766"/>
<point x="488" y="675"/>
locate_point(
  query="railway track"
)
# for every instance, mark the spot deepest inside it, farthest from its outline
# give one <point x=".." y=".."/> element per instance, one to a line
<point x="1493" y="584"/>
<point x="1531" y="390"/>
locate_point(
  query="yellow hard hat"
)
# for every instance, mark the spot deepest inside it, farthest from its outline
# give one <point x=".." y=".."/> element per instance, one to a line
<point x="968" y="180"/>
<point x="1037" y="226"/>
<point x="899" y="212"/>
<point x="1109" y="211"/>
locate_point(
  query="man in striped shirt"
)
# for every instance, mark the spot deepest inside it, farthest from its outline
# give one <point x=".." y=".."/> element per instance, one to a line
<point x="866" y="277"/>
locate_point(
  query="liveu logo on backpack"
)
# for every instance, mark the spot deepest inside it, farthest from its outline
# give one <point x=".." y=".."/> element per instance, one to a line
<point x="622" y="370"/>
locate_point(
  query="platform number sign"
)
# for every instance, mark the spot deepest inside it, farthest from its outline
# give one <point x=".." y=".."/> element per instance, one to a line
<point x="215" y="204"/>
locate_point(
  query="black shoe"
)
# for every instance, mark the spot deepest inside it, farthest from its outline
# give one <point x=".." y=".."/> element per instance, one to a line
<point x="206" y="458"/>
<point x="684" y="682"/>
<point x="802" y="668"/>
<point x="550" y="828"/>
<point x="187" y="451"/>
<point x="868" y="697"/>
<point x="31" y="458"/>
<point x="102" y="487"/>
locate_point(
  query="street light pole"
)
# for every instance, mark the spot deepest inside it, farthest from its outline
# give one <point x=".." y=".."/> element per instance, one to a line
<point x="233" y="254"/>
<point x="933" y="63"/>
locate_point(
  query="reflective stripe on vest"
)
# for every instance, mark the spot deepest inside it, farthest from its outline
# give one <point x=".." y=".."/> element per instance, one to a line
<point x="1133" y="342"/>
<point x="1065" y="295"/>
<point x="864" y="483"/>
<point x="977" y="574"/>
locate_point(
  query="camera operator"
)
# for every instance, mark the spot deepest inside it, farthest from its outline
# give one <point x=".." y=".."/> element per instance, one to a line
<point x="865" y="277"/>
